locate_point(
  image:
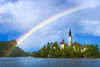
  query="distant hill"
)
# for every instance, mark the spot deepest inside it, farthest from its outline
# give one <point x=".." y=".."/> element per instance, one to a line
<point x="6" y="45"/>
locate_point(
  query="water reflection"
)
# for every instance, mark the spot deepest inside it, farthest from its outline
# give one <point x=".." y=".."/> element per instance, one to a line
<point x="48" y="62"/>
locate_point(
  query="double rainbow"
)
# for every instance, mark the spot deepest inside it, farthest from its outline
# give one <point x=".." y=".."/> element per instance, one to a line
<point x="44" y="23"/>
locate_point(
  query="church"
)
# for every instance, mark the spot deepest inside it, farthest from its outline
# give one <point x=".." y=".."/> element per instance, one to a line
<point x="62" y="44"/>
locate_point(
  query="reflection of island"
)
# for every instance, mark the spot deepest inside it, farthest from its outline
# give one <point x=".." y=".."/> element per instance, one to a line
<point x="75" y="50"/>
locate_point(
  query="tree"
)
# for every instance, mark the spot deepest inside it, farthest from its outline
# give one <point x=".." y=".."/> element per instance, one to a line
<point x="55" y="44"/>
<point x="65" y="53"/>
<point x="51" y="53"/>
<point x="48" y="47"/>
<point x="85" y="45"/>
<point x="65" y="46"/>
<point x="91" y="51"/>
<point x="43" y="51"/>
<point x="58" y="53"/>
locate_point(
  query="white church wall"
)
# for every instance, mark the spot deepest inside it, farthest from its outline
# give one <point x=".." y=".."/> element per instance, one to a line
<point x="61" y="46"/>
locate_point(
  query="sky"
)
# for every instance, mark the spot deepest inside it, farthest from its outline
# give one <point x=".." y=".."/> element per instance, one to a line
<point x="18" y="16"/>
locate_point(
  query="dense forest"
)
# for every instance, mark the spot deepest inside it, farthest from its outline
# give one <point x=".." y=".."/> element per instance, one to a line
<point x="68" y="51"/>
<point x="6" y="45"/>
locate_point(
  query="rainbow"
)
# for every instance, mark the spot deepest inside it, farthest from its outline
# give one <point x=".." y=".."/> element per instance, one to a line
<point x="44" y="23"/>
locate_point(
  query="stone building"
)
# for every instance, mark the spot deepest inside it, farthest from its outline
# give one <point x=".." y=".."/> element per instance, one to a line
<point x="62" y="44"/>
<point x="70" y="38"/>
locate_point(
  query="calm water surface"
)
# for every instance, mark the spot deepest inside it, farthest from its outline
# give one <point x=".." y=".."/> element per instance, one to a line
<point x="47" y="62"/>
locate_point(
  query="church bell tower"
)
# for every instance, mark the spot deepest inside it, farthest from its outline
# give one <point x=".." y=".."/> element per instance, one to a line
<point x="69" y="38"/>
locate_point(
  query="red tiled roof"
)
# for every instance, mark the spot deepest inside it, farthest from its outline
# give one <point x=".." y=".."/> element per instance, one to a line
<point x="62" y="42"/>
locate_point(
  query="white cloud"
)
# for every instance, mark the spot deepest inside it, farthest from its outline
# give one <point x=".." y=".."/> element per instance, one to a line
<point x="26" y="14"/>
<point x="90" y="26"/>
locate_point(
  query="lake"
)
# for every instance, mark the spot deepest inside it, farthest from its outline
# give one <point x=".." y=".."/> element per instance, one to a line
<point x="48" y="62"/>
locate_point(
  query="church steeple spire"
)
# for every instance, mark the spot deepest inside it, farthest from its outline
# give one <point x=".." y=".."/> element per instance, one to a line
<point x="63" y="39"/>
<point x="70" y="38"/>
<point x="70" y="32"/>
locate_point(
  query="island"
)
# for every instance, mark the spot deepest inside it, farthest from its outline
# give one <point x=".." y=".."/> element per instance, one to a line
<point x="72" y="50"/>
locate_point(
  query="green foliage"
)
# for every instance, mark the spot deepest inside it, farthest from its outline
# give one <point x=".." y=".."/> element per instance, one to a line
<point x="57" y="53"/>
<point x="37" y="54"/>
<point x="48" y="47"/>
<point x="92" y="51"/>
<point x="43" y="51"/>
<point x="65" y="53"/>
<point x="53" y="50"/>
<point x="55" y="44"/>
<point x="84" y="45"/>
<point x="5" y="46"/>
<point x="17" y="53"/>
